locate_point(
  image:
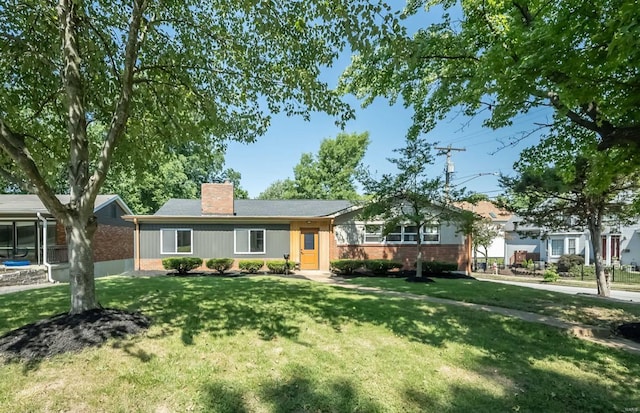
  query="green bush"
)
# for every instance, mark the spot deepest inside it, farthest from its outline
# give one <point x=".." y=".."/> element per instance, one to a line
<point x="567" y="261"/>
<point x="381" y="267"/>
<point x="220" y="264"/>
<point x="587" y="271"/>
<point x="438" y="267"/>
<point x="181" y="264"/>
<point x="550" y="275"/>
<point x="345" y="266"/>
<point x="279" y="266"/>
<point x="250" y="266"/>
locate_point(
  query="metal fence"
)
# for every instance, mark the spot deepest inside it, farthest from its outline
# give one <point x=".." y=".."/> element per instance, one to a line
<point x="624" y="274"/>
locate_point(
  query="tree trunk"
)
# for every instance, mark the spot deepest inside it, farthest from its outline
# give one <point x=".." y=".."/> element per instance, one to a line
<point x="81" y="267"/>
<point x="419" y="259"/>
<point x="602" y="279"/>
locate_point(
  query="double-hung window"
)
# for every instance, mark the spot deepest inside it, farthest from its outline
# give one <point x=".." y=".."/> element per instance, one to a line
<point x="572" y="246"/>
<point x="431" y="234"/>
<point x="373" y="234"/>
<point x="557" y="247"/>
<point x="176" y="241"/>
<point x="249" y="241"/>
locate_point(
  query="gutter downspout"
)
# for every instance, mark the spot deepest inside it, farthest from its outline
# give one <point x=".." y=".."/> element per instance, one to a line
<point x="137" y="244"/>
<point x="44" y="248"/>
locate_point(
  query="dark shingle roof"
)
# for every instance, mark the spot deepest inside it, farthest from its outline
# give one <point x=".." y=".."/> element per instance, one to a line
<point x="260" y="207"/>
<point x="31" y="204"/>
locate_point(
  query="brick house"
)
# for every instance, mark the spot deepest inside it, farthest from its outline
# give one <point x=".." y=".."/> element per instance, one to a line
<point x="31" y="237"/>
<point x="311" y="232"/>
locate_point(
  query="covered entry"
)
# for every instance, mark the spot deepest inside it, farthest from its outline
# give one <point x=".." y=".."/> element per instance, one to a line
<point x="309" y="249"/>
<point x="310" y="243"/>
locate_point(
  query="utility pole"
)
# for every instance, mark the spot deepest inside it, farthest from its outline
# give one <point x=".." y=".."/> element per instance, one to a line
<point x="448" y="169"/>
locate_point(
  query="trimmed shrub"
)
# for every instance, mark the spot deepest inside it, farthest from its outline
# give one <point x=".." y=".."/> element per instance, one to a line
<point x="381" y="267"/>
<point x="250" y="266"/>
<point x="220" y="264"/>
<point x="346" y="267"/>
<point x="181" y="264"/>
<point x="567" y="261"/>
<point x="278" y="266"/>
<point x="438" y="267"/>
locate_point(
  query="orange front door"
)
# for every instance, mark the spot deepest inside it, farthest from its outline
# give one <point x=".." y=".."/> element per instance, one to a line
<point x="309" y="249"/>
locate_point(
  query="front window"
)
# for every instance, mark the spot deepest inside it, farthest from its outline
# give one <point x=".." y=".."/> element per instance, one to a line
<point x="572" y="246"/>
<point x="373" y="233"/>
<point x="557" y="247"/>
<point x="431" y="234"/>
<point x="176" y="241"/>
<point x="249" y="241"/>
<point x="410" y="234"/>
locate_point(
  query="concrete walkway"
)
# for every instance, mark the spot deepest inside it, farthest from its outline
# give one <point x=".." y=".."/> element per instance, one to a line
<point x="600" y="335"/>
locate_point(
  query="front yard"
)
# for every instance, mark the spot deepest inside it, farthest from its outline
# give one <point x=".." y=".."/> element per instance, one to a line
<point x="266" y="344"/>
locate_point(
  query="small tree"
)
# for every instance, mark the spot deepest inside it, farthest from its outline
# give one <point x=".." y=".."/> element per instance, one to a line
<point x="484" y="231"/>
<point x="408" y="196"/>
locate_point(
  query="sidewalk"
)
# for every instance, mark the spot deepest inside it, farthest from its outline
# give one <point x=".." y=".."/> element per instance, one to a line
<point x="598" y="335"/>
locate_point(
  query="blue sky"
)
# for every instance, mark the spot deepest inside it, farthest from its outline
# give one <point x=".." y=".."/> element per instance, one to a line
<point x="273" y="156"/>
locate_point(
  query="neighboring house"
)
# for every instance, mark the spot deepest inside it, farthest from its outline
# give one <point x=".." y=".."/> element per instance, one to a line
<point x="311" y="232"/>
<point x="619" y="244"/>
<point x="499" y="217"/>
<point x="30" y="235"/>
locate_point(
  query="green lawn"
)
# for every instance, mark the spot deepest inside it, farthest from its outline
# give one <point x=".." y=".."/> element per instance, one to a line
<point x="265" y="344"/>
<point x="572" y="308"/>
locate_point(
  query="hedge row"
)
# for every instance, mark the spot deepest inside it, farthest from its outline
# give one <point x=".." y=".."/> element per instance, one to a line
<point x="185" y="264"/>
<point x="381" y="267"/>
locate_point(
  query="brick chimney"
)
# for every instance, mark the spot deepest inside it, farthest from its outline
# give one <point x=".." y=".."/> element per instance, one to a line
<point x="217" y="199"/>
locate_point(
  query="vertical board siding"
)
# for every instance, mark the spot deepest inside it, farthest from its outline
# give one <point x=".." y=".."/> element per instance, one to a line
<point x="215" y="240"/>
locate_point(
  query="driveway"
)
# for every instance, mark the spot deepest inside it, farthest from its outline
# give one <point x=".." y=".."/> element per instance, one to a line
<point x="617" y="294"/>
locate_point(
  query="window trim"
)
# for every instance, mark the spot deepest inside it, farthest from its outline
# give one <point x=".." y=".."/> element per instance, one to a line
<point x="248" y="252"/>
<point x="176" y="252"/>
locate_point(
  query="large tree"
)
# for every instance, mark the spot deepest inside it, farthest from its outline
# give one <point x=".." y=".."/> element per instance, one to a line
<point x="505" y="57"/>
<point x="565" y="183"/>
<point x="409" y="196"/>
<point x="331" y="174"/>
<point x="176" y="174"/>
<point x="155" y="74"/>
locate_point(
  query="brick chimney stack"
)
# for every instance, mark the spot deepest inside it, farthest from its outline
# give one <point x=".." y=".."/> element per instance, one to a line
<point x="217" y="198"/>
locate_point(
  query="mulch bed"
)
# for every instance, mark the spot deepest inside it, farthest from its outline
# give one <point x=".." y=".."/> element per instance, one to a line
<point x="629" y="331"/>
<point x="65" y="333"/>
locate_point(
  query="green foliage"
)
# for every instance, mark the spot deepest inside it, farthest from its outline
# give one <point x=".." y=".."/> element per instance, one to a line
<point x="579" y="271"/>
<point x="250" y="266"/>
<point x="328" y="175"/>
<point x="126" y="84"/>
<point x="221" y="265"/>
<point x="181" y="264"/>
<point x="345" y="266"/>
<point x="509" y="57"/>
<point x="279" y="266"/>
<point x="381" y="267"/>
<point x="568" y="261"/>
<point x="551" y="275"/>
<point x="438" y="267"/>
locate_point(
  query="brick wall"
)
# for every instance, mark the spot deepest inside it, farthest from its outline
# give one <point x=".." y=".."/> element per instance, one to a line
<point x="112" y="243"/>
<point x="404" y="253"/>
<point x="217" y="199"/>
